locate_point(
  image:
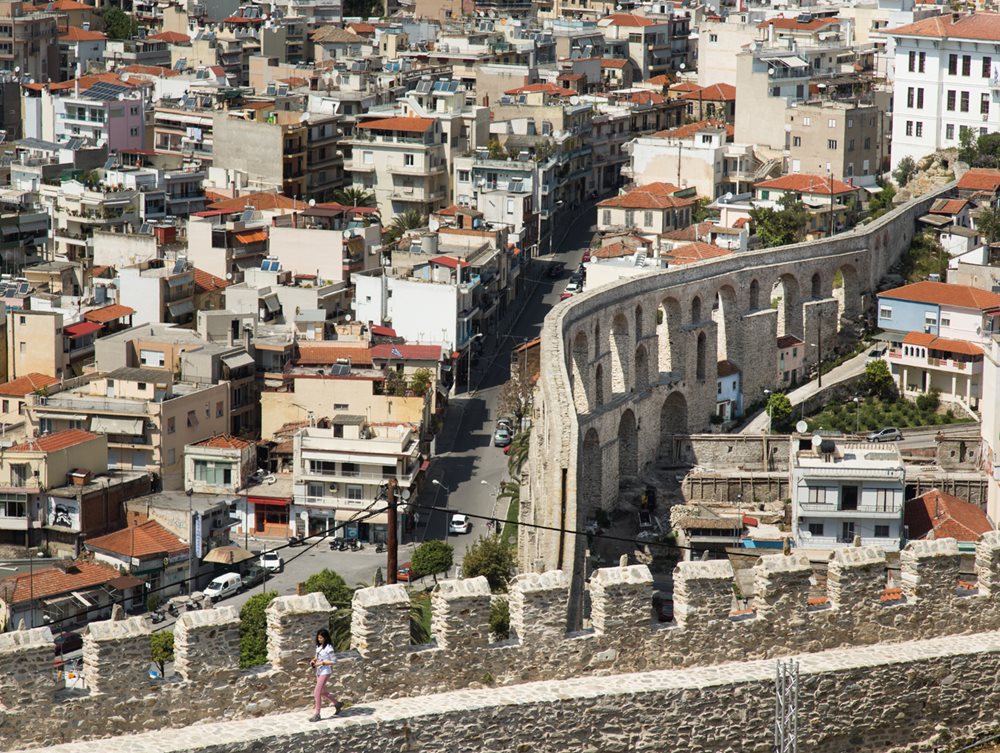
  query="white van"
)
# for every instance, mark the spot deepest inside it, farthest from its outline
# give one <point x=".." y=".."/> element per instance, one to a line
<point x="223" y="586"/>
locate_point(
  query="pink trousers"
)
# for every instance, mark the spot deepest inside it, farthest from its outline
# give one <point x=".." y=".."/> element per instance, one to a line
<point x="321" y="691"/>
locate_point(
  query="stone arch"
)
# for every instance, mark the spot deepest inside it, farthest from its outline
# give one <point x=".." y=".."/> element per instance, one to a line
<point x="701" y="357"/>
<point x="598" y="386"/>
<point x="628" y="448"/>
<point x="786" y="288"/>
<point x="670" y="337"/>
<point x="581" y="371"/>
<point x="696" y="310"/>
<point x="620" y="354"/>
<point x="641" y="369"/>
<point x="816" y="286"/>
<point x="847" y="291"/>
<point x="589" y="478"/>
<point x="726" y="316"/>
<point x="754" y="303"/>
<point x="639" y="325"/>
<point x="673" y="421"/>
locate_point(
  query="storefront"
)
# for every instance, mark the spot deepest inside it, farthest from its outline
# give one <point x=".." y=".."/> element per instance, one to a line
<point x="270" y="516"/>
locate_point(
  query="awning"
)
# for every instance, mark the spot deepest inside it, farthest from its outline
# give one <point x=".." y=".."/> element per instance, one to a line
<point x="251" y="236"/>
<point x="82" y="328"/>
<point x="238" y="360"/>
<point x="269" y="501"/>
<point x="180" y="308"/>
<point x="62" y="416"/>
<point x="228" y="555"/>
<point x="105" y="425"/>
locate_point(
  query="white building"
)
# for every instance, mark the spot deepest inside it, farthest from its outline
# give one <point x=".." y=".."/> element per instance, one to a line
<point x="947" y="79"/>
<point x="841" y="490"/>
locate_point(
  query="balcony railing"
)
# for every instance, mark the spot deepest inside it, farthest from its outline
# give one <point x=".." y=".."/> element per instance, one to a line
<point x="890" y="510"/>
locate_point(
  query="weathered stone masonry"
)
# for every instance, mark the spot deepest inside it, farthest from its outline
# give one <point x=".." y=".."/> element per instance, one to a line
<point x="630" y="369"/>
<point x="623" y="640"/>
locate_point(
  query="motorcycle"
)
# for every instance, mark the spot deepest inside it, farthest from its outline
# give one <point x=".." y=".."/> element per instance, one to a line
<point x="157" y="616"/>
<point x="296" y="541"/>
<point x="173" y="610"/>
<point x="356" y="546"/>
<point x="379" y="548"/>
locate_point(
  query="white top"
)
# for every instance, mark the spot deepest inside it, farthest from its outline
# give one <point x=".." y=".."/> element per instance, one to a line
<point x="324" y="654"/>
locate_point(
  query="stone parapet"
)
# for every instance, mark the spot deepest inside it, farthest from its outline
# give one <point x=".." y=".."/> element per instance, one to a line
<point x="292" y="624"/>
<point x="116" y="656"/>
<point x="26" y="668"/>
<point x="929" y="569"/>
<point x="854" y="576"/>
<point x="621" y="600"/>
<point x="207" y="643"/>
<point x="380" y="623"/>
<point x="461" y="613"/>
<point x="538" y="605"/>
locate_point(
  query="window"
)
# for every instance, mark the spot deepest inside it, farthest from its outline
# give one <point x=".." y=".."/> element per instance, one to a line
<point x="909" y="127"/>
<point x="647" y="219"/>
<point x="816" y="529"/>
<point x="847" y="532"/>
<point x="949" y="131"/>
<point x="920" y="98"/>
<point x="945" y="321"/>
<point x="909" y="97"/>
<point x="912" y="62"/>
<point x="715" y="38"/>
<point x="463" y="176"/>
<point x="831" y="143"/>
<point x="920" y="128"/>
<point x="355" y="492"/>
<point x="19" y="474"/>
<point x="408" y="160"/>
<point x="218" y="409"/>
<point x="607" y="217"/>
<point x="796" y="141"/>
<point x="315" y="489"/>
<point x="718" y="388"/>
<point x="368" y="157"/>
<point x="953" y="65"/>
<point x="192" y="419"/>
<point x="629" y="217"/>
<point x="22" y="320"/>
<point x="13" y="505"/>
<point x="831" y="123"/>
<point x="984" y="104"/>
<point x="883" y="500"/>
<point x="930" y="319"/>
<point x="133" y="132"/>
<point x="987" y="66"/>
<point x="6" y="406"/>
<point x="950" y="103"/>
<point x="23" y="348"/>
<point x="868" y="142"/>
<point x="341" y="406"/>
<point x="885" y="312"/>
<point x="211" y="472"/>
<point x="350" y="469"/>
<point x="151" y="358"/>
<point x="850" y="145"/>
<point x="923" y="60"/>
<point x="807" y="121"/>
<point x="817" y="495"/>
<point x="881" y="532"/>
<point x="171" y="425"/>
<point x="966" y="65"/>
<point x="964" y="106"/>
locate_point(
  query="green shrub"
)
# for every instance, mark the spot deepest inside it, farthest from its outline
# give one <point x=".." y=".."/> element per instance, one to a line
<point x="253" y="630"/>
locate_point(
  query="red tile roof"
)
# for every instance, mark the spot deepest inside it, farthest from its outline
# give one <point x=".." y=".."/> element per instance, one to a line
<point x="156" y="71"/>
<point x="109" y="313"/>
<point x="630" y="19"/>
<point x="380" y="331"/>
<point x="980" y="26"/>
<point x="663" y="79"/>
<point x="713" y="93"/>
<point x="948" y="516"/>
<point x="247" y="237"/>
<point x="686" y="131"/>
<point x="806" y="183"/>
<point x="614" y="251"/>
<point x="263" y="201"/>
<point x="449" y="261"/>
<point x="946" y="344"/>
<point x="795" y="24"/>
<point x="613" y="63"/>
<point x="28" y="383"/>
<point x="789" y="341"/>
<point x="81" y="328"/>
<point x="205" y="282"/>
<point x="224" y="442"/>
<point x="171" y="37"/>
<point x="361" y="28"/>
<point x="546" y="88"/>
<point x="948" y="206"/>
<point x="646" y="98"/>
<point x="651" y="196"/>
<point x="76" y="34"/>
<point x="390" y="351"/>
<point x="53" y="442"/>
<point x="324" y="354"/>
<point x="692" y="252"/>
<point x="690" y="233"/>
<point x="684" y="86"/>
<point x="404" y="125"/>
<point x="945" y="294"/>
<point x="53" y="581"/>
<point x="980" y="179"/>
<point x="727" y="368"/>
<point x="149" y="539"/>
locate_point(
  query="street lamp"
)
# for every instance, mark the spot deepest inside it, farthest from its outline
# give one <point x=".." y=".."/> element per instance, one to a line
<point x="857" y="414"/>
<point x="468" y="378"/>
<point x="767" y="396"/>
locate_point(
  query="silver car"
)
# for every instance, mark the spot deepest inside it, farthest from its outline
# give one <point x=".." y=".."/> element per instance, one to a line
<point x="889" y="434"/>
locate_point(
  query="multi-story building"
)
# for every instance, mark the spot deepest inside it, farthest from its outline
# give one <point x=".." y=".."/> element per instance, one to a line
<point x="338" y="472"/>
<point x="655" y="44"/>
<point x="39" y="342"/>
<point x="29" y="40"/>
<point x="227" y="242"/>
<point x="267" y="145"/>
<point x="12" y="400"/>
<point x="148" y="417"/>
<point x="651" y="209"/>
<point x="184" y="132"/>
<point x="80" y="51"/>
<point x="947" y="82"/>
<point x="277" y="296"/>
<point x="831" y="136"/>
<point x="219" y="465"/>
<point x="159" y="293"/>
<point x="841" y="490"/>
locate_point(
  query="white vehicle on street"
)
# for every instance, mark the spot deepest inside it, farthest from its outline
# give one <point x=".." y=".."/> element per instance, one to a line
<point x="272" y="562"/>
<point x="459" y="524"/>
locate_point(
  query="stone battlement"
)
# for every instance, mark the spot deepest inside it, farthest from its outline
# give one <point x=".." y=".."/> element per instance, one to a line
<point x="207" y="684"/>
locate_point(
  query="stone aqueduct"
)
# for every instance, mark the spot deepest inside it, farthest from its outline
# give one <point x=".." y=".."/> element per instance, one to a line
<point x="630" y="369"/>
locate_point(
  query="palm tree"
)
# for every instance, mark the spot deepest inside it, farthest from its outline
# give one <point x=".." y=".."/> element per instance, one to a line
<point x="354" y="197"/>
<point x="518" y="454"/>
<point x="411" y="219"/>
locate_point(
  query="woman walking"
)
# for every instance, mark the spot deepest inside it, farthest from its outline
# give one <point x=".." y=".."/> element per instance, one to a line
<point x="323" y="663"/>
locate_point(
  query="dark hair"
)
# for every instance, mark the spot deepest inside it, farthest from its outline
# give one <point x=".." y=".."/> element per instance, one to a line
<point x="325" y="635"/>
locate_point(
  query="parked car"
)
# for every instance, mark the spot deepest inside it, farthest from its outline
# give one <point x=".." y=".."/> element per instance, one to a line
<point x="459" y="524"/>
<point x="405" y="572"/>
<point x="874" y="355"/>
<point x="554" y="271"/>
<point x="564" y="295"/>
<point x="888" y="434"/>
<point x="222" y="586"/>
<point x="573" y="287"/>
<point x="586" y="256"/>
<point x="505" y="422"/>
<point x="272" y="562"/>
<point x="66" y="642"/>
<point x="253" y="576"/>
<point x="502" y="437"/>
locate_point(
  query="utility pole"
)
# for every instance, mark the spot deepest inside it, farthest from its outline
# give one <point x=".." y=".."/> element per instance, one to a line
<point x="392" y="545"/>
<point x="819" y="353"/>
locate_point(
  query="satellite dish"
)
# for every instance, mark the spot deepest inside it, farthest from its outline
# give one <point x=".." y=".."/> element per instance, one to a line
<point x="801" y="427"/>
<point x="574" y="100"/>
<point x="347" y="318"/>
<point x="312" y="202"/>
<point x="817" y="440"/>
<point x="229" y="275"/>
<point x="434" y="225"/>
<point x="405" y="494"/>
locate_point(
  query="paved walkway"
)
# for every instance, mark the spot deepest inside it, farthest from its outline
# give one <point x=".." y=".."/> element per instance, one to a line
<point x="846" y="370"/>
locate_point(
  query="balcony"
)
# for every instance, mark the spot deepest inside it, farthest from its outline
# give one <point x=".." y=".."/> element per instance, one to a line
<point x="889" y="511"/>
<point x="360" y="167"/>
<point x="949" y="365"/>
<point x="415" y="196"/>
<point x="416" y="170"/>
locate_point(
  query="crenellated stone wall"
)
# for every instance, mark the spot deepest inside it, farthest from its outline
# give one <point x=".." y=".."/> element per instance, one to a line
<point x="858" y="610"/>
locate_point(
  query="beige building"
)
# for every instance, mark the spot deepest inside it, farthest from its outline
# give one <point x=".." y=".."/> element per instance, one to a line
<point x="36" y="344"/>
<point x="650" y="209"/>
<point x="843" y="137"/>
<point x="219" y="465"/>
<point x="29" y="41"/>
<point x="13" y="398"/>
<point x="147" y="416"/>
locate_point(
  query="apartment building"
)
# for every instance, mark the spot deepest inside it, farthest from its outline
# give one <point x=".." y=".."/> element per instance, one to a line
<point x="654" y="208"/>
<point x="219" y="465"/>
<point x="185" y="132"/>
<point x="227" y="242"/>
<point x="830" y="136"/>
<point x="29" y="40"/>
<point x="842" y="490"/>
<point x="339" y="471"/>
<point x="267" y="145"/>
<point x="277" y="296"/>
<point x="148" y="417"/>
<point x="32" y="467"/>
<point x="158" y="292"/>
<point x="81" y="50"/>
<point x="326" y="243"/>
<point x="947" y="82"/>
<point x="12" y="400"/>
<point x="655" y="45"/>
<point x="40" y="342"/>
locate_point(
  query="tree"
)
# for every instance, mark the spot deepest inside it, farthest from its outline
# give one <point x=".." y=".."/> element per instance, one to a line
<point x="411" y="219"/>
<point x="492" y="558"/>
<point x="882" y="201"/>
<point x="421" y="381"/>
<point x="878" y="379"/>
<point x="433" y="557"/>
<point x="339" y="594"/>
<point x="500" y="618"/>
<point x="119" y="25"/>
<point x="988" y="223"/>
<point x="496" y="150"/>
<point x="779" y="227"/>
<point x="700" y="211"/>
<point x="516" y="397"/>
<point x="905" y="170"/>
<point x="253" y="630"/>
<point x="354" y="197"/>
<point x="161" y="648"/>
<point x="517" y="455"/>
<point x="967" y="146"/>
<point x="779" y="407"/>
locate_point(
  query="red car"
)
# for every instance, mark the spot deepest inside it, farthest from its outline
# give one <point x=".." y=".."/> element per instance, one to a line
<point x="586" y="256"/>
<point x="405" y="572"/>
<point x="564" y="296"/>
